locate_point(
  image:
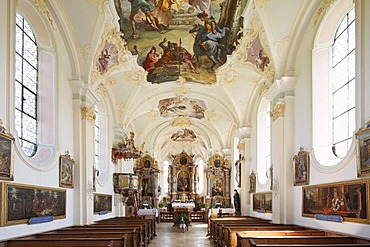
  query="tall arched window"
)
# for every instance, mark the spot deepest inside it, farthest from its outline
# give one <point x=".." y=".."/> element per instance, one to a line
<point x="264" y="141"/>
<point x="333" y="86"/>
<point x="165" y="176"/>
<point x="97" y="139"/>
<point x="343" y="85"/>
<point x="26" y="66"/>
<point x="200" y="172"/>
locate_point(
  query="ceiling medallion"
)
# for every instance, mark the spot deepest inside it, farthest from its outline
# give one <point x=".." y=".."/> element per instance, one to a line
<point x="126" y="150"/>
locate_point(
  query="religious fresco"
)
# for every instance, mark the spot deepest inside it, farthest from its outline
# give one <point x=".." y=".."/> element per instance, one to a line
<point x="177" y="106"/>
<point x="181" y="38"/>
<point x="184" y="135"/>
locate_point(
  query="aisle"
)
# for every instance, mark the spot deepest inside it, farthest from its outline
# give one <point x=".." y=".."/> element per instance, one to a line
<point x="169" y="236"/>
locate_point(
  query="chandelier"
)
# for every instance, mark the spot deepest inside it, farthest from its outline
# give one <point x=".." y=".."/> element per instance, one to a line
<point x="126" y="150"/>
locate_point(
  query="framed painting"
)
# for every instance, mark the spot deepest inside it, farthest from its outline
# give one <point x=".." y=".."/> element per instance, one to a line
<point x="349" y="199"/>
<point x="301" y="167"/>
<point x="102" y="203"/>
<point x="217" y="185"/>
<point x="6" y="154"/>
<point x="262" y="202"/>
<point x="363" y="152"/>
<point x="66" y="171"/>
<point x="21" y="202"/>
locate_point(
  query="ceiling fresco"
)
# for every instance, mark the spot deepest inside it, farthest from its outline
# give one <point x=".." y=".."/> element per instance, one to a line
<point x="177" y="106"/>
<point x="181" y="38"/>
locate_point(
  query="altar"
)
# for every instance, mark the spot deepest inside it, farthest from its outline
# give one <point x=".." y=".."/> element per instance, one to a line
<point x="183" y="205"/>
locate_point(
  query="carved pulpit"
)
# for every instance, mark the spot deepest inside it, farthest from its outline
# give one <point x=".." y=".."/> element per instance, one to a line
<point x="218" y="181"/>
<point x="182" y="177"/>
<point x="147" y="171"/>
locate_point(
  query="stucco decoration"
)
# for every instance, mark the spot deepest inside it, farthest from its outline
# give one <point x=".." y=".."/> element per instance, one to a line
<point x="181" y="121"/>
<point x="152" y="115"/>
<point x="254" y="52"/>
<point x="280" y="45"/>
<point x="321" y="11"/>
<point x="263" y="88"/>
<point x="101" y="89"/>
<point x="41" y="5"/>
<point x="100" y="4"/>
<point x="136" y="76"/>
<point x="261" y="3"/>
<point x="111" y="54"/>
<point x="84" y="51"/>
<point x="181" y="91"/>
<point x="228" y="76"/>
<point x="277" y="111"/>
<point x="88" y="113"/>
<point x="211" y="115"/>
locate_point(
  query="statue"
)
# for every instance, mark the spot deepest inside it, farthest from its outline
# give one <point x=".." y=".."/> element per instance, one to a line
<point x="252" y="182"/>
<point x="237" y="201"/>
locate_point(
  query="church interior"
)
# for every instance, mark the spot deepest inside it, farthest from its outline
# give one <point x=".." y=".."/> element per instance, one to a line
<point x="166" y="116"/>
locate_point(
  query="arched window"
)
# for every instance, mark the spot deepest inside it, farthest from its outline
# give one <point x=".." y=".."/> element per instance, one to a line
<point x="343" y="85"/>
<point x="165" y="176"/>
<point x="333" y="86"/>
<point x="264" y="141"/>
<point x="97" y="139"/>
<point x="200" y="172"/>
<point x="26" y="67"/>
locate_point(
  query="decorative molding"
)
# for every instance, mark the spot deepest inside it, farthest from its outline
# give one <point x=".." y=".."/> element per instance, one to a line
<point x="101" y="89"/>
<point x="181" y="121"/>
<point x="323" y="8"/>
<point x="211" y="115"/>
<point x="136" y="76"/>
<point x="100" y="4"/>
<point x="41" y="5"/>
<point x="280" y="45"/>
<point x="241" y="147"/>
<point x="110" y="81"/>
<point x="228" y="76"/>
<point x="277" y="111"/>
<point x="88" y="113"/>
<point x="261" y="3"/>
<point x="152" y="115"/>
<point x="84" y="51"/>
<point x="263" y="89"/>
<point x="275" y="187"/>
<point x="111" y="54"/>
<point x="181" y="80"/>
<point x="181" y="91"/>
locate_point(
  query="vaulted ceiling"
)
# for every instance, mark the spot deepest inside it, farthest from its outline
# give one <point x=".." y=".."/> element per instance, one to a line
<point x="228" y="105"/>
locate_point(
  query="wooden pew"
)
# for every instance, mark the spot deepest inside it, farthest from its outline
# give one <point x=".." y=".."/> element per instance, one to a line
<point x="65" y="242"/>
<point x="149" y="223"/>
<point x="243" y="219"/>
<point x="254" y="244"/>
<point x="129" y="238"/>
<point x="243" y="241"/>
<point x="139" y="237"/>
<point x="229" y="233"/>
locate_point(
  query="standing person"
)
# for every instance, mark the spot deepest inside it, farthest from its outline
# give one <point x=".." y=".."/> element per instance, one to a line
<point x="236" y="201"/>
<point x="147" y="8"/>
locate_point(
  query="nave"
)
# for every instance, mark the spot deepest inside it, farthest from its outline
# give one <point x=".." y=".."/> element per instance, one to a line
<point x="167" y="235"/>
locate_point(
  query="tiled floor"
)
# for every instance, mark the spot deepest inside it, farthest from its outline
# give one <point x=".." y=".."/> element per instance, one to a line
<point x="170" y="236"/>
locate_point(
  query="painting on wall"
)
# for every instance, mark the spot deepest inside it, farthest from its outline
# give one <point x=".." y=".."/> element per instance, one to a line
<point x="147" y="187"/>
<point x="363" y="151"/>
<point x="66" y="170"/>
<point x="183" y="181"/>
<point x="6" y="154"/>
<point x="346" y="199"/>
<point x="262" y="202"/>
<point x="102" y="203"/>
<point x="217" y="185"/>
<point x="301" y="166"/>
<point x="21" y="202"/>
<point x="181" y="38"/>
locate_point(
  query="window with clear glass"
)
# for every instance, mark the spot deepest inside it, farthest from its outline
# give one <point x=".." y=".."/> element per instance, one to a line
<point x="26" y="76"/>
<point x="343" y="86"/>
<point x="264" y="141"/>
<point x="200" y="172"/>
<point x="268" y="141"/>
<point x="97" y="139"/>
<point x="165" y="177"/>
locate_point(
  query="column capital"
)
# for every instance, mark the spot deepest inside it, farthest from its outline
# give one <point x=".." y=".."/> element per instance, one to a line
<point x="83" y="92"/>
<point x="281" y="88"/>
<point x="243" y="132"/>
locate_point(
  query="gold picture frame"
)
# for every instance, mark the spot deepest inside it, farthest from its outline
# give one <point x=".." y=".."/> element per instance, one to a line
<point x="349" y="199"/>
<point x="21" y="202"/>
<point x="301" y="167"/>
<point x="66" y="171"/>
<point x="102" y="203"/>
<point x="262" y="202"/>
<point x="363" y="151"/>
<point x="6" y="154"/>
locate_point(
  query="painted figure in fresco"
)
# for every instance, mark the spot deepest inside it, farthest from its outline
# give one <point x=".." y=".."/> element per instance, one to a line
<point x="147" y="8"/>
<point x="151" y="58"/>
<point x="173" y="53"/>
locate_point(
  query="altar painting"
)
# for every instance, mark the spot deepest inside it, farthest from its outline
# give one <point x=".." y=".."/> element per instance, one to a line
<point x="183" y="181"/>
<point x="147" y="187"/>
<point x="347" y="199"/>
<point x="217" y="186"/>
<point x="181" y="38"/>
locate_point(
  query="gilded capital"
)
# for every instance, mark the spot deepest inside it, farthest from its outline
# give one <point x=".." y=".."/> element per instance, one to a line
<point x="88" y="113"/>
<point x="277" y="111"/>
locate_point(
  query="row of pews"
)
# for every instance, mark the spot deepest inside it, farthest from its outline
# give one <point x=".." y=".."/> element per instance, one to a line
<point x="246" y="231"/>
<point x="119" y="231"/>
